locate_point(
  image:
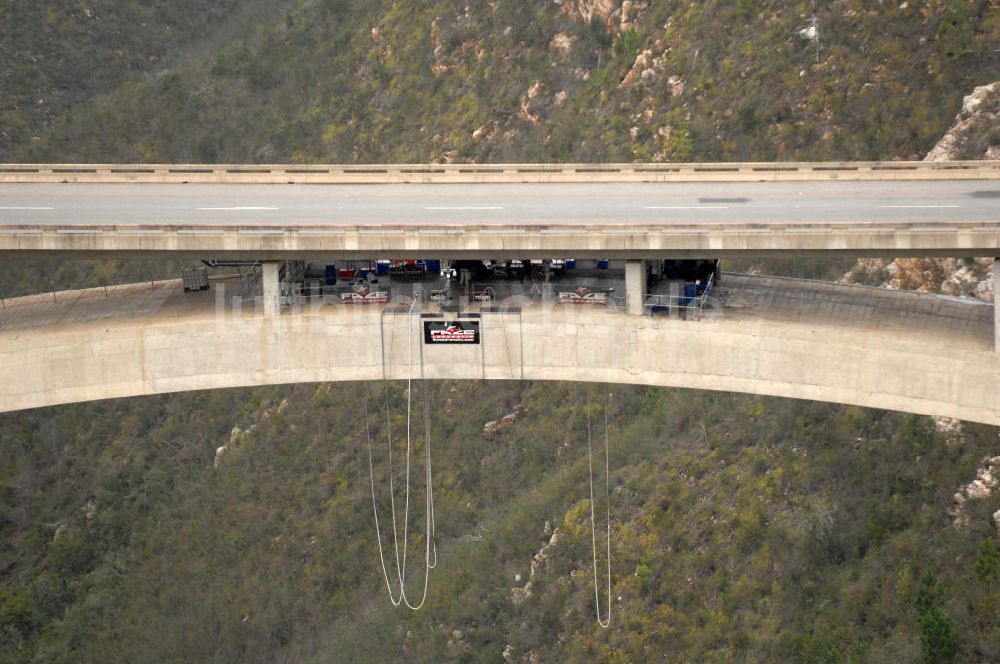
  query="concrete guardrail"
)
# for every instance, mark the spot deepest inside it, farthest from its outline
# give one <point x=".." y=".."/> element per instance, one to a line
<point x="495" y="173"/>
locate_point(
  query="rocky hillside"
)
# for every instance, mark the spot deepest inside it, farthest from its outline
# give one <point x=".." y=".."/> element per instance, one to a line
<point x="237" y="524"/>
<point x="975" y="134"/>
<point x="581" y="80"/>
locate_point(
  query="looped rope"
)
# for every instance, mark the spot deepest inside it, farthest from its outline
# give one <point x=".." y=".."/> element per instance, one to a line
<point x="430" y="554"/>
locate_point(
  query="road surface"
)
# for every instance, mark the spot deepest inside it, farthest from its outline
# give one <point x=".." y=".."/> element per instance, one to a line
<point x="647" y="204"/>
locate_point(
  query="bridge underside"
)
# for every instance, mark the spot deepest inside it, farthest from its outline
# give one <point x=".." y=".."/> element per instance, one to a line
<point x="169" y="341"/>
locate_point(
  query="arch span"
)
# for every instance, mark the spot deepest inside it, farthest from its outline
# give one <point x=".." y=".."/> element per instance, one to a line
<point x="916" y="371"/>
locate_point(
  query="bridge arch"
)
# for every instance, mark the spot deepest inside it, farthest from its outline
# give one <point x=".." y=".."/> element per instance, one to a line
<point x="922" y="372"/>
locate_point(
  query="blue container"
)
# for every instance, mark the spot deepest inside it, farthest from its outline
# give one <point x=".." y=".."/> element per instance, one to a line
<point x="433" y="266"/>
<point x="570" y="263"/>
<point x="689" y="294"/>
<point x="364" y="272"/>
<point x="602" y="264"/>
<point x="330" y="274"/>
<point x="382" y="267"/>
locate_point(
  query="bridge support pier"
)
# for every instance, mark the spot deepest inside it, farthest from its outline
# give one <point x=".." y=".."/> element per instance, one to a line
<point x="996" y="305"/>
<point x="635" y="287"/>
<point x="271" y="288"/>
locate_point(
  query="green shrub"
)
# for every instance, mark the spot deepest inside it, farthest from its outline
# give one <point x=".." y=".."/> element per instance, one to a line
<point x="987" y="561"/>
<point x="627" y="44"/>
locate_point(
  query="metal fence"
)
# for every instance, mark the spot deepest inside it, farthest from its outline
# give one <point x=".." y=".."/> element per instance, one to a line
<point x="689" y="305"/>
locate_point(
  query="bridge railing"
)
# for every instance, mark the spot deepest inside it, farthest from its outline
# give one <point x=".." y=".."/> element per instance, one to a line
<point x="495" y="173"/>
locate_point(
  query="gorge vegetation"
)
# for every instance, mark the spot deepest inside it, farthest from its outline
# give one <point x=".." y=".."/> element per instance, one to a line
<point x="577" y="80"/>
<point x="743" y="528"/>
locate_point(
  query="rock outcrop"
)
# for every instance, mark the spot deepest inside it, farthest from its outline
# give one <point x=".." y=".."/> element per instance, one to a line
<point x="987" y="483"/>
<point x="518" y="595"/>
<point x="976" y="132"/>
<point x="238" y="434"/>
<point x="617" y="14"/>
<point x="587" y="9"/>
<point x="949" y="276"/>
<point x="486" y="132"/>
<point x="494" y="427"/>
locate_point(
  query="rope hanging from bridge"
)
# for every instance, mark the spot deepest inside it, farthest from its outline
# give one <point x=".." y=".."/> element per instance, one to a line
<point x="430" y="554"/>
<point x="593" y="528"/>
<point x="378" y="531"/>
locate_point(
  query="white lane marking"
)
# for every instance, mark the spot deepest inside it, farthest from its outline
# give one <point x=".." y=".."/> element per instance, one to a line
<point x="24" y="207"/>
<point x="464" y="207"/>
<point x="686" y="207"/>
<point x="910" y="207"/>
<point x="263" y="207"/>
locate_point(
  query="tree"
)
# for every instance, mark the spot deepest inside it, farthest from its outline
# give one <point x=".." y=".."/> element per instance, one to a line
<point x="937" y="631"/>
<point x="929" y="594"/>
<point x="987" y="562"/>
<point x="937" y="637"/>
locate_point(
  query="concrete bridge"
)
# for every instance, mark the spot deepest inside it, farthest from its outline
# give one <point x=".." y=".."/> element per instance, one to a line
<point x="791" y="338"/>
<point x="635" y="212"/>
<point x="631" y="211"/>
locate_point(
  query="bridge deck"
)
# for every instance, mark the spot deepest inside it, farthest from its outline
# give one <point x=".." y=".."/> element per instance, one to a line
<point x="559" y="204"/>
<point x="601" y="219"/>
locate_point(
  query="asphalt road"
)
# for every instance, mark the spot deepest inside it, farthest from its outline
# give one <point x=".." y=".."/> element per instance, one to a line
<point x="931" y="202"/>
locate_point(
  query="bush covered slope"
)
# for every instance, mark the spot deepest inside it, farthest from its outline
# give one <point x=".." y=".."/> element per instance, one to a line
<point x="743" y="529"/>
<point x="594" y="80"/>
<point x="61" y="53"/>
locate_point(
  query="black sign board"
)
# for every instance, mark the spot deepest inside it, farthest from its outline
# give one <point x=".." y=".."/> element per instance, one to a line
<point x="451" y="332"/>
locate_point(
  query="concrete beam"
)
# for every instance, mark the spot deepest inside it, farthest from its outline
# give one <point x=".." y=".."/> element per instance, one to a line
<point x="473" y="241"/>
<point x="635" y="287"/>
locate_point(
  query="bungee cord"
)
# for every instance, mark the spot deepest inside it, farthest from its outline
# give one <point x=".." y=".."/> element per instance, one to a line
<point x="430" y="554"/>
<point x="430" y="547"/>
<point x="428" y="565"/>
<point x="378" y="531"/>
<point x="432" y="539"/>
<point x="593" y="528"/>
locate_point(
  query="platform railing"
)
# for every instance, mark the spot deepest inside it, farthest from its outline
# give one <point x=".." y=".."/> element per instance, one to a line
<point x="690" y="305"/>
